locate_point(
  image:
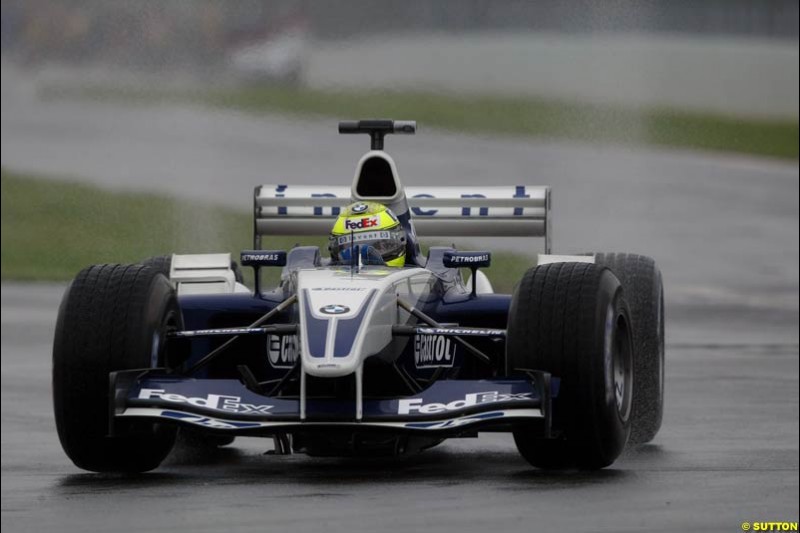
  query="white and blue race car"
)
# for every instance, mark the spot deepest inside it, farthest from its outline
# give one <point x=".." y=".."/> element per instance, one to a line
<point x="359" y="358"/>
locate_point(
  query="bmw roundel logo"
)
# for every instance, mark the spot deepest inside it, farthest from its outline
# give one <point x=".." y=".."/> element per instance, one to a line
<point x="359" y="208"/>
<point x="334" y="309"/>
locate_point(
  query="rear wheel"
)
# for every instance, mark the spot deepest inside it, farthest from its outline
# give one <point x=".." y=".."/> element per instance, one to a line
<point x="641" y="280"/>
<point x="572" y="320"/>
<point x="112" y="317"/>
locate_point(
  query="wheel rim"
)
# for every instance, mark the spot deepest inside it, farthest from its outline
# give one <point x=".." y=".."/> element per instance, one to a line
<point x="170" y="323"/>
<point x="622" y="364"/>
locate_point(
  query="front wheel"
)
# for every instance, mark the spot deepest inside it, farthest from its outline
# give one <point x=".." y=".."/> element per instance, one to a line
<point x="572" y="320"/>
<point x="112" y="317"/>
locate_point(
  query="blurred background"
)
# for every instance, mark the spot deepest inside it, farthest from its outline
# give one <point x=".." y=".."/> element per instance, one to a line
<point x="668" y="128"/>
<point x="726" y="56"/>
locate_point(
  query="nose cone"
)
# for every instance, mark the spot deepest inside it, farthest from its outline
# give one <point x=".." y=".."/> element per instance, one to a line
<point x="343" y="319"/>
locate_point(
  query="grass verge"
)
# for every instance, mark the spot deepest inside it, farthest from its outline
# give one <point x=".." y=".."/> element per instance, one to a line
<point x="521" y="116"/>
<point x="52" y="229"/>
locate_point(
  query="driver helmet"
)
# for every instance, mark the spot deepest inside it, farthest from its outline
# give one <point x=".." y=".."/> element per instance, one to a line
<point x="368" y="224"/>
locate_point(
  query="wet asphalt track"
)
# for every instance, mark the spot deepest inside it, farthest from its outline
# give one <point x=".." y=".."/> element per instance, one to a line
<point x="723" y="229"/>
<point x="728" y="452"/>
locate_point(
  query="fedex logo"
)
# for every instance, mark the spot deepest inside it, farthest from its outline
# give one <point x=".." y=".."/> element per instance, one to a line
<point x="407" y="406"/>
<point x="212" y="401"/>
<point x="366" y="222"/>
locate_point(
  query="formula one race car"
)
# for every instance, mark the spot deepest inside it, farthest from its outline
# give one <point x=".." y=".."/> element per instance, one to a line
<point x="355" y="357"/>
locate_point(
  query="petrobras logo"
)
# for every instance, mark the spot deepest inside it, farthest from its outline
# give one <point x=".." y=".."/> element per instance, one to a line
<point x="409" y="406"/>
<point x="263" y="258"/>
<point x="217" y="402"/>
<point x="269" y="257"/>
<point x="283" y="350"/>
<point x="468" y="259"/>
<point x="362" y="223"/>
<point x="433" y="351"/>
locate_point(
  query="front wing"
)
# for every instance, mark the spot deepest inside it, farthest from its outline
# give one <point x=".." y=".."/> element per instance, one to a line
<point x="449" y="406"/>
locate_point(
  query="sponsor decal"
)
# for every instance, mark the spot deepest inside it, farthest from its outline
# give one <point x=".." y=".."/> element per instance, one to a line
<point x="218" y="331"/>
<point x="209" y="422"/>
<point x="462" y="331"/>
<point x="433" y="351"/>
<point x="455" y="422"/>
<point x="359" y="208"/>
<point x="283" y="350"/>
<point x="518" y="191"/>
<point x="334" y="309"/>
<point x="261" y="257"/>
<point x="362" y="223"/>
<point x="366" y="236"/>
<point x="409" y="406"/>
<point x="217" y="402"/>
<point x="469" y="259"/>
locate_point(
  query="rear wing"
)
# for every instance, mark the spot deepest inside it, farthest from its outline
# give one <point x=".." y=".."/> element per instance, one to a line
<point x="495" y="211"/>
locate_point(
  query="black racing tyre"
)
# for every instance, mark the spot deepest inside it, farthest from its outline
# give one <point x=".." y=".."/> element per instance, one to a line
<point x="572" y="320"/>
<point x="641" y="281"/>
<point x="163" y="264"/>
<point x="159" y="263"/>
<point x="112" y="317"/>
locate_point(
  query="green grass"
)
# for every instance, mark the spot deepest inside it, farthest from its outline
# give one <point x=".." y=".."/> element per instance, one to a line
<point x="518" y="116"/>
<point x="52" y="229"/>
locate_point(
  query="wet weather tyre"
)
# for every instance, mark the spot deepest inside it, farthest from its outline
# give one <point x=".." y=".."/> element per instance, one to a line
<point x="159" y="263"/>
<point x="572" y="320"/>
<point x="644" y="291"/>
<point x="112" y="317"/>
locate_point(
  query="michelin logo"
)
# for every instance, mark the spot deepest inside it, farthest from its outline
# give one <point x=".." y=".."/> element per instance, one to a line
<point x="415" y="405"/>
<point x="217" y="402"/>
<point x="433" y="351"/>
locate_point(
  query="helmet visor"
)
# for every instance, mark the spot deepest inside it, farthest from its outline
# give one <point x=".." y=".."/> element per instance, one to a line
<point x="390" y="244"/>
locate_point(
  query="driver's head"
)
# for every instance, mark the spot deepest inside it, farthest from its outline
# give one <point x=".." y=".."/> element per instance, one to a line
<point x="368" y="224"/>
